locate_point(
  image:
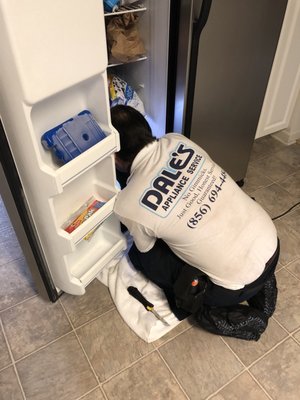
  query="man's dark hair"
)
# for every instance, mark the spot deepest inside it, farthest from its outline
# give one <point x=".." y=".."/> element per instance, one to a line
<point x="135" y="132"/>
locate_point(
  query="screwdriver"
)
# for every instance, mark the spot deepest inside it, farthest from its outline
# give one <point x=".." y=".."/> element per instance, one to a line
<point x="134" y="292"/>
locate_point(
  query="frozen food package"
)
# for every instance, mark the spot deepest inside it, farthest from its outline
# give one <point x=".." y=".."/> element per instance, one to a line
<point x="120" y="92"/>
<point x="83" y="213"/>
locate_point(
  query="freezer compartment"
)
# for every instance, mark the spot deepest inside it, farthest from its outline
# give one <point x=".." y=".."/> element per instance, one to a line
<point x="148" y="75"/>
<point x="91" y="95"/>
<point x="98" y="182"/>
<point x="91" y="256"/>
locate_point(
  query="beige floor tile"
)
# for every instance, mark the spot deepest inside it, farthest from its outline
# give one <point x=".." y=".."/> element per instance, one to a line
<point x="294" y="267"/>
<point x="250" y="351"/>
<point x="255" y="180"/>
<point x="279" y="371"/>
<point x="58" y="371"/>
<point x="273" y="167"/>
<point x="265" y="146"/>
<point x="297" y="335"/>
<point x="10" y="249"/>
<point x="94" y="395"/>
<point x="243" y="387"/>
<point x="274" y="199"/>
<point x="9" y="386"/>
<point x="5" y="359"/>
<point x="16" y="283"/>
<point x="95" y="302"/>
<point x="289" y="242"/>
<point x="183" y="326"/>
<point x="33" y="324"/>
<point x="290" y="155"/>
<point x="201" y="362"/>
<point x="149" y="379"/>
<point x="4" y="218"/>
<point x="111" y="345"/>
<point x="292" y="184"/>
<point x="292" y="219"/>
<point x="288" y="302"/>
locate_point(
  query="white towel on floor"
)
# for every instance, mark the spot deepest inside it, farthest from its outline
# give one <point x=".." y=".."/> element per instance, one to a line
<point x="120" y="274"/>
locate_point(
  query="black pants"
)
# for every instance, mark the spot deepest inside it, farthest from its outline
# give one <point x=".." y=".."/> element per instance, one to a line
<point x="221" y="311"/>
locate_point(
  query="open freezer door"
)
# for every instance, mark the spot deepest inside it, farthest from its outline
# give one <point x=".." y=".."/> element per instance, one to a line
<point x="51" y="72"/>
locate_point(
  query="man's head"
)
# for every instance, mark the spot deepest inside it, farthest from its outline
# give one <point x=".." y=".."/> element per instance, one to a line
<point x="135" y="134"/>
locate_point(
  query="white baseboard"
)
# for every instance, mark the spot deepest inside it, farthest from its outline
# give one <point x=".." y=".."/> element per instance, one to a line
<point x="286" y="137"/>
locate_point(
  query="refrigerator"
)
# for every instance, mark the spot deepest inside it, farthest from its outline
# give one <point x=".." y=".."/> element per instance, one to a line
<point x="204" y="73"/>
<point x="225" y="51"/>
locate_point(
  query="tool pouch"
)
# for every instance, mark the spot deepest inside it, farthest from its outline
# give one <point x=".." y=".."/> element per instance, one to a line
<point x="189" y="297"/>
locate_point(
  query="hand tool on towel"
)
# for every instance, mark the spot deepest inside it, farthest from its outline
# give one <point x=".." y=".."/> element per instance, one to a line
<point x="134" y="292"/>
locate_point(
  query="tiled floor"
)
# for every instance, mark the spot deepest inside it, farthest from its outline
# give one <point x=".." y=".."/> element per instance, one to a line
<point x="79" y="347"/>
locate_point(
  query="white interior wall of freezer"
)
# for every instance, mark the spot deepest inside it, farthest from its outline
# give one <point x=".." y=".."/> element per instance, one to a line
<point x="53" y="66"/>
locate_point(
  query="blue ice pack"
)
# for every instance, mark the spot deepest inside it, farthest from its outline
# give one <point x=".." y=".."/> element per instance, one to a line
<point x="74" y="136"/>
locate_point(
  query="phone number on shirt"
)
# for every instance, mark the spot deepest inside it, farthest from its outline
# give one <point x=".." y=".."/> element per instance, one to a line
<point x="205" y="208"/>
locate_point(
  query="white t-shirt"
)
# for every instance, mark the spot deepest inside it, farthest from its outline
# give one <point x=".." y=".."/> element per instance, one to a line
<point x="177" y="193"/>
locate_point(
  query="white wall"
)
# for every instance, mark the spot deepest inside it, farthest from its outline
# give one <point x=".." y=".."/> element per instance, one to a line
<point x="292" y="132"/>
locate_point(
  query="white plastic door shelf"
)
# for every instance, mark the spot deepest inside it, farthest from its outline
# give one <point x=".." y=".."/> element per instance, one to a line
<point x="51" y="69"/>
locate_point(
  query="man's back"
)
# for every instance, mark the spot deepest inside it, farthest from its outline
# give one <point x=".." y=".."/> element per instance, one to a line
<point x="177" y="193"/>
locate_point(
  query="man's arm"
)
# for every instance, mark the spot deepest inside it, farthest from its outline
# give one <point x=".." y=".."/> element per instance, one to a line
<point x="143" y="237"/>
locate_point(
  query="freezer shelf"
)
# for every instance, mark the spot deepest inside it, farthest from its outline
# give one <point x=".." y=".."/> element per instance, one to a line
<point x="89" y="225"/>
<point x="98" y="182"/>
<point x="126" y="9"/>
<point x="91" y="256"/>
<point x="86" y="160"/>
<point x="88" y="95"/>
<point x="116" y="63"/>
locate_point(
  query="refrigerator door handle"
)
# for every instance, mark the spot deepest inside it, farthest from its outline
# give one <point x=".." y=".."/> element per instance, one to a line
<point x="198" y="26"/>
<point x="201" y="21"/>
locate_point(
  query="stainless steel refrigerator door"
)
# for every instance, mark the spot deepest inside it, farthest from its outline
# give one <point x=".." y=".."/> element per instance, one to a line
<point x="235" y="56"/>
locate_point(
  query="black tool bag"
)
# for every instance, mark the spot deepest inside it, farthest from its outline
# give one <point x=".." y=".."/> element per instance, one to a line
<point x="189" y="289"/>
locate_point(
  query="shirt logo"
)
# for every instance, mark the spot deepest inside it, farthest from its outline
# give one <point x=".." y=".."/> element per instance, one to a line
<point x="172" y="181"/>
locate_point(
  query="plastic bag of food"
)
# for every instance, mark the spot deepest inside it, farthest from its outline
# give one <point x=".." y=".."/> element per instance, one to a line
<point x="120" y="92"/>
<point x="123" y="38"/>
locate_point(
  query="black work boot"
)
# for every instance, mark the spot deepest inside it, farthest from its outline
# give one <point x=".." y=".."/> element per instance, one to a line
<point x="265" y="299"/>
<point x="240" y="321"/>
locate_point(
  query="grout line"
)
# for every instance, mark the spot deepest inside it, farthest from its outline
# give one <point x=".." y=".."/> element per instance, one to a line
<point x="158" y="346"/>
<point x="247" y="369"/>
<point x="173" y="374"/>
<point x="91" y="320"/>
<point x="12" y="359"/>
<point x="260" y="385"/>
<point x="291" y="273"/>
<point x="80" y="344"/>
<point x="128" y="366"/>
<point x="232" y="351"/>
<point x="268" y="352"/>
<point x="226" y="384"/>
<point x="43" y="347"/>
<point x="90" y="391"/>
<point x="17" y="304"/>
